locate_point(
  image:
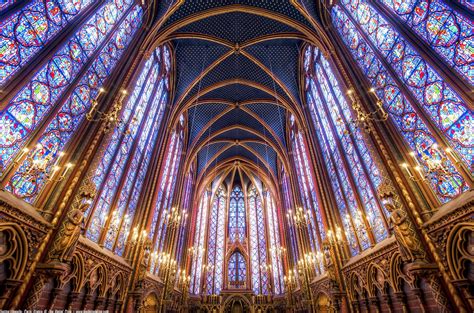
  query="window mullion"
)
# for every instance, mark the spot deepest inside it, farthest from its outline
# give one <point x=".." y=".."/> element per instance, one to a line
<point x="434" y="130"/>
<point x="355" y="147"/>
<point x="338" y="176"/>
<point x="106" y="143"/>
<point x="349" y="173"/>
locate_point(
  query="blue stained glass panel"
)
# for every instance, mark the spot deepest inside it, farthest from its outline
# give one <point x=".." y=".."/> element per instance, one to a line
<point x="26" y="32"/>
<point x="215" y="244"/>
<point x="447" y="110"/>
<point x="199" y="245"/>
<point x="41" y="94"/>
<point x="237" y="269"/>
<point x="237" y="227"/>
<point x="58" y="133"/>
<point x="400" y="110"/>
<point x="449" y="33"/>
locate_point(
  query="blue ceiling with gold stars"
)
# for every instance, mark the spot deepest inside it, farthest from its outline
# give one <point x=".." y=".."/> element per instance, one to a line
<point x="237" y="76"/>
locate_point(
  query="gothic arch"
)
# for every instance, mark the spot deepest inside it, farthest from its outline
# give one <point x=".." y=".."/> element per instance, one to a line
<point x="96" y="279"/>
<point x="151" y="302"/>
<point x="227" y="259"/>
<point x="357" y="288"/>
<point x="77" y="272"/>
<point x="117" y="286"/>
<point x="236" y="299"/>
<point x="13" y="250"/>
<point x="376" y="279"/>
<point x="323" y="302"/>
<point x="396" y="274"/>
<point x="460" y="258"/>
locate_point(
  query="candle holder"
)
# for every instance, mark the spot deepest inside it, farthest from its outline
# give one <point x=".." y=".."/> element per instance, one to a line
<point x="38" y="164"/>
<point x="363" y="119"/>
<point x="110" y="119"/>
<point x="434" y="162"/>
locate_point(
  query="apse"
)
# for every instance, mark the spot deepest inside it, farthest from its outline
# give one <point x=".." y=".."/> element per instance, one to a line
<point x="237" y="244"/>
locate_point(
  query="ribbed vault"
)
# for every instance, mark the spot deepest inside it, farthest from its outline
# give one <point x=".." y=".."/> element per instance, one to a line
<point x="237" y="79"/>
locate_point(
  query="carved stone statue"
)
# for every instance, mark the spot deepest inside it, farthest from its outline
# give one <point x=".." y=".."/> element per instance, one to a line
<point x="328" y="263"/>
<point x="411" y="248"/>
<point x="408" y="240"/>
<point x="70" y="230"/>
<point x="143" y="267"/>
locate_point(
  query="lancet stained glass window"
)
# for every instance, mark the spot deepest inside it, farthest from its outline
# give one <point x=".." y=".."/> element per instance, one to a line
<point x="309" y="193"/>
<point x="21" y="117"/>
<point x="187" y="193"/>
<point x="285" y="185"/>
<point x="344" y="148"/>
<point x="165" y="192"/>
<point x="215" y="243"/>
<point x="237" y="227"/>
<point x="237" y="270"/>
<point x="126" y="166"/>
<point x="448" y="32"/>
<point x="27" y="31"/>
<point x="276" y="250"/>
<point x="261" y="248"/>
<point x="380" y="51"/>
<point x="258" y="243"/>
<point x="199" y="244"/>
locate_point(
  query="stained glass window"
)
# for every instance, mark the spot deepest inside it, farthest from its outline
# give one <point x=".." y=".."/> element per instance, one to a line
<point x="125" y="160"/>
<point x="237" y="223"/>
<point x="69" y="116"/>
<point x="285" y="184"/>
<point x="376" y="55"/>
<point x="24" y="33"/>
<point x="186" y="196"/>
<point x="309" y="193"/>
<point x="345" y="148"/>
<point x="237" y="270"/>
<point x="449" y="33"/>
<point x="439" y="101"/>
<point x="276" y="249"/>
<point x="263" y="242"/>
<point x="215" y="244"/>
<point x="199" y="244"/>
<point x="165" y="192"/>
<point x="258" y="245"/>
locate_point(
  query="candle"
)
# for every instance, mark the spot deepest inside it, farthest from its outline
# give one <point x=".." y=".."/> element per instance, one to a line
<point x="450" y="153"/>
<point x="124" y="93"/>
<point x="68" y="166"/>
<point x="55" y="168"/>
<point x="413" y="155"/>
<point x="60" y="155"/>
<point x="407" y="168"/>
<point x="419" y="170"/>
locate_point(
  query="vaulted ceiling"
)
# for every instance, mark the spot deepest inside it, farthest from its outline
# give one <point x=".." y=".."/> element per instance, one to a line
<point x="237" y="77"/>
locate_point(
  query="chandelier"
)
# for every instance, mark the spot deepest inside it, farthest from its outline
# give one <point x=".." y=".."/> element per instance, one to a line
<point x="299" y="218"/>
<point x="175" y="218"/>
<point x="363" y="119"/>
<point x="435" y="163"/>
<point x="335" y="237"/>
<point x="110" y="119"/>
<point x="38" y="164"/>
